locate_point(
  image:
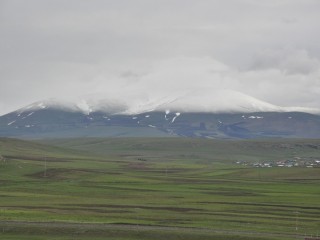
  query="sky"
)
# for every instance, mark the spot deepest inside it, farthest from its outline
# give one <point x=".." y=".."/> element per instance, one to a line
<point x="130" y="49"/>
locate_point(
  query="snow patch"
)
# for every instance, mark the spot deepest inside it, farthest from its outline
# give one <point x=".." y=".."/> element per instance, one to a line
<point x="28" y="115"/>
<point x="152" y="126"/>
<point x="11" y="122"/>
<point x="134" y="118"/>
<point x="84" y="107"/>
<point x="177" y="115"/>
<point x="255" y="117"/>
<point x="147" y="116"/>
<point x="173" y="119"/>
<point x="165" y="116"/>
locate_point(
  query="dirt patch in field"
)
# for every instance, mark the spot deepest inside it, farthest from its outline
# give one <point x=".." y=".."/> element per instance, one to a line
<point x="138" y="166"/>
<point x="57" y="174"/>
<point x="262" y="204"/>
<point x="66" y="209"/>
<point x="231" y="193"/>
<point x="40" y="159"/>
<point x="135" y="207"/>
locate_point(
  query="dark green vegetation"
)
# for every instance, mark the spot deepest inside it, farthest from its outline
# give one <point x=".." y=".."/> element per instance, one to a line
<point x="156" y="188"/>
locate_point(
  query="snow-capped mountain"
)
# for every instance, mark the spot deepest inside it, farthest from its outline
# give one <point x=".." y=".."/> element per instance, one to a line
<point x="223" y="114"/>
<point x="223" y="101"/>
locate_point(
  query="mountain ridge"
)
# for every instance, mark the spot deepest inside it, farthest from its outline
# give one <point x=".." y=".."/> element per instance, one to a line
<point x="225" y="101"/>
<point x="208" y="114"/>
<point x="57" y="123"/>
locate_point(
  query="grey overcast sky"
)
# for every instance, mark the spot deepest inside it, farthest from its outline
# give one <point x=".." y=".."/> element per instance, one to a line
<point x="269" y="49"/>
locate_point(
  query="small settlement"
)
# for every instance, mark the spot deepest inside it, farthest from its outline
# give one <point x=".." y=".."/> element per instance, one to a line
<point x="294" y="162"/>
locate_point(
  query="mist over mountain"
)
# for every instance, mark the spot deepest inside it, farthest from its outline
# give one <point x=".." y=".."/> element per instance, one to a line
<point x="146" y="53"/>
<point x="197" y="101"/>
<point x="185" y="83"/>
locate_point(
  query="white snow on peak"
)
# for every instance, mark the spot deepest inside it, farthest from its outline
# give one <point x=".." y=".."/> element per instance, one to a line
<point x="152" y="126"/>
<point x="151" y="103"/>
<point x="147" y="116"/>
<point x="30" y="114"/>
<point x="212" y="101"/>
<point x="205" y="100"/>
<point x="41" y="105"/>
<point x="49" y="103"/>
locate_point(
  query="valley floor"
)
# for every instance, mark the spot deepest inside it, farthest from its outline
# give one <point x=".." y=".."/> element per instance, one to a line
<point x="157" y="189"/>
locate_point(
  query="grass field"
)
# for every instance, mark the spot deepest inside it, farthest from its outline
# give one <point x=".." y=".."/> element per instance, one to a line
<point x="146" y="188"/>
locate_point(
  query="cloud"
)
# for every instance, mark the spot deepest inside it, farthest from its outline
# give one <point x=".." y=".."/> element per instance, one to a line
<point x="291" y="61"/>
<point x="281" y="85"/>
<point x="147" y="47"/>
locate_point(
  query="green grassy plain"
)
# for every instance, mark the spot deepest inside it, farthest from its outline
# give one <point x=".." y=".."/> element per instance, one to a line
<point x="165" y="188"/>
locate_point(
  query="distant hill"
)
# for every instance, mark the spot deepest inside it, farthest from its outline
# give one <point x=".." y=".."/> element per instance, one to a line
<point x="21" y="149"/>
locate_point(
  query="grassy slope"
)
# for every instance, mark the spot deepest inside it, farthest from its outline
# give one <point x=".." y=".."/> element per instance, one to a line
<point x="196" y="149"/>
<point x="179" y="184"/>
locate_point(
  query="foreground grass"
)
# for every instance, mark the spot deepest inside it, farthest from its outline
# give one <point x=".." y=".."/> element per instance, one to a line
<point x="149" y="189"/>
<point x="100" y="231"/>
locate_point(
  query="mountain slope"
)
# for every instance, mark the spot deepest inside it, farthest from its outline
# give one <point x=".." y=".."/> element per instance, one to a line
<point x="208" y="114"/>
<point x="62" y="123"/>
